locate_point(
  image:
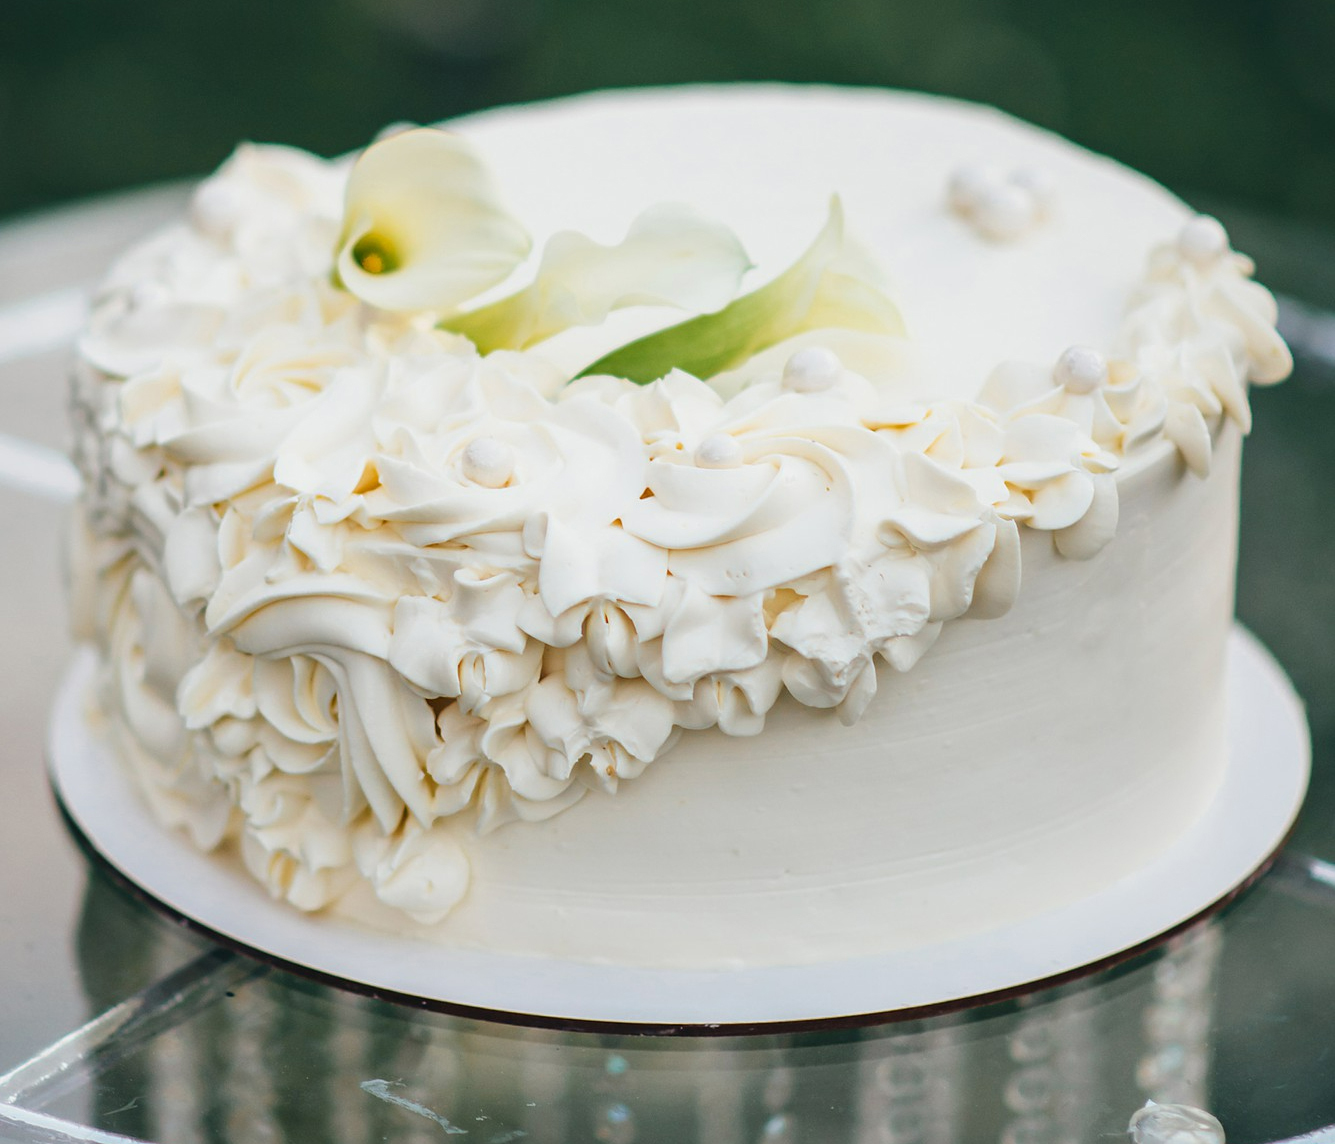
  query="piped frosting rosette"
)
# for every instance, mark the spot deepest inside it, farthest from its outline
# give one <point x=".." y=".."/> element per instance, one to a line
<point x="362" y="587"/>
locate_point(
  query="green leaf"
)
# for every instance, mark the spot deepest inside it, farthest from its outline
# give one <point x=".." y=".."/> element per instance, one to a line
<point x="821" y="290"/>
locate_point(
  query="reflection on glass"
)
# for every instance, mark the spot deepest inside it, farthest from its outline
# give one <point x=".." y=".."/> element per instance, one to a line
<point x="273" y="1057"/>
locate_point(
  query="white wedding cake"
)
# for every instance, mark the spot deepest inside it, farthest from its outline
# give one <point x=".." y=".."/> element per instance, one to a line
<point x="696" y="528"/>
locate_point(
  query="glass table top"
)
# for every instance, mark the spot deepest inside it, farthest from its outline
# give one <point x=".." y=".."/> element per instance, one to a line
<point x="116" y="1023"/>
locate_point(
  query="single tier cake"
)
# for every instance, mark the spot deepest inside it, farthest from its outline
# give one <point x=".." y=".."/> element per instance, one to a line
<point x="690" y="528"/>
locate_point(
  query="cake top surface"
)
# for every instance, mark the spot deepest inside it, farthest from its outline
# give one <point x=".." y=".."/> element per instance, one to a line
<point x="766" y="159"/>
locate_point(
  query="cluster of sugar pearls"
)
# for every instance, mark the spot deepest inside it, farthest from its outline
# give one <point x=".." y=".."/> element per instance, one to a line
<point x="1001" y="205"/>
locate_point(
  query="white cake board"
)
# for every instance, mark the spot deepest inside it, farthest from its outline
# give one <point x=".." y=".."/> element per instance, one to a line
<point x="1240" y="832"/>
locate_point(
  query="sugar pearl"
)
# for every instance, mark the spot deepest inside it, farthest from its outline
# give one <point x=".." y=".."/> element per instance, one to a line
<point x="971" y="184"/>
<point x="214" y="209"/>
<point x="1203" y="240"/>
<point x="1081" y="369"/>
<point x="812" y="369"/>
<point x="1006" y="212"/>
<point x="718" y="451"/>
<point x="488" y="462"/>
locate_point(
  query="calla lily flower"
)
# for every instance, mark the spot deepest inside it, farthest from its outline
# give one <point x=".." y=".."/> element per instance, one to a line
<point x="423" y="228"/>
<point x="671" y="256"/>
<point x="829" y="287"/>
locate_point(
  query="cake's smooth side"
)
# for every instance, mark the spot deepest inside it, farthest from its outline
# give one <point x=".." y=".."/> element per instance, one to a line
<point x="1025" y="763"/>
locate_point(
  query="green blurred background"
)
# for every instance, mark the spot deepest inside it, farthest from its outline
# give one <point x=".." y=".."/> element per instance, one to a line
<point x="1217" y="98"/>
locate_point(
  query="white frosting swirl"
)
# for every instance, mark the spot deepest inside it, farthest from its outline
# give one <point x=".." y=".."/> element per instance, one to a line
<point x="361" y="588"/>
<point x="1202" y="329"/>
